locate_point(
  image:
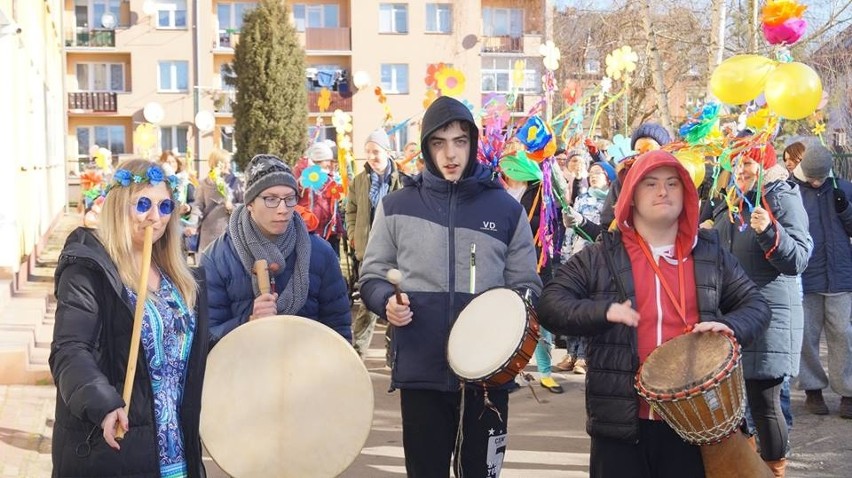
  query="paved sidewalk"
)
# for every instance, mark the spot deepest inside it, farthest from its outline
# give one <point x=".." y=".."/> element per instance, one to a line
<point x="26" y="429"/>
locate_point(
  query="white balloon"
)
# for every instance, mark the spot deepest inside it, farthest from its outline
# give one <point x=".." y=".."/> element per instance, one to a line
<point x="361" y="79"/>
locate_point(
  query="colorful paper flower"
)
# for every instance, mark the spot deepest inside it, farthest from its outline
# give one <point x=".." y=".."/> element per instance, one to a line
<point x="334" y="191"/>
<point x="620" y="148"/>
<point x="342" y="121"/>
<point x="620" y="62"/>
<point x="324" y="99"/>
<point x="518" y="73"/>
<point x="431" y="70"/>
<point x="431" y="95"/>
<point x="450" y="81"/>
<point x="551" y="55"/>
<point x="696" y="129"/>
<point x="91" y="179"/>
<point x="313" y="177"/>
<point x="606" y="85"/>
<point x="571" y="92"/>
<point x="534" y="134"/>
<point x="819" y="129"/>
<point x="776" y="12"/>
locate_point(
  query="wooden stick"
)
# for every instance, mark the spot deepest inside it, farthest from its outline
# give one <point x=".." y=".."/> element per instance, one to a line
<point x="261" y="268"/>
<point x="394" y="276"/>
<point x="136" y="336"/>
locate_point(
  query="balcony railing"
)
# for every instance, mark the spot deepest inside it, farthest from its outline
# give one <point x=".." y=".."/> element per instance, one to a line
<point x="502" y="44"/>
<point x="227" y="39"/>
<point x="96" y="102"/>
<point x="332" y="39"/>
<point x="338" y="102"/>
<point x="82" y="37"/>
<point x="223" y="101"/>
<point x="516" y="107"/>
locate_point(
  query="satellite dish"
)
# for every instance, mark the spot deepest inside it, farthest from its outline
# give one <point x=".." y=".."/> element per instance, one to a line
<point x="108" y="20"/>
<point x="469" y="41"/>
<point x="153" y="112"/>
<point x="205" y="121"/>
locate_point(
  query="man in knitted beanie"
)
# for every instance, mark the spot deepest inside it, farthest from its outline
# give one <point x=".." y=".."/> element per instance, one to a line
<point x="827" y="282"/>
<point x="303" y="271"/>
<point x="649" y="137"/>
<point x="379" y="177"/>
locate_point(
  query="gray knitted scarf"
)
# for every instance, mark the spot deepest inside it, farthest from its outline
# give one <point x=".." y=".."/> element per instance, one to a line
<point x="252" y="245"/>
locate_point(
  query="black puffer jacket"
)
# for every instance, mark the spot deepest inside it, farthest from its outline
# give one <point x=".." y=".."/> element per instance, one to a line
<point x="575" y="302"/>
<point x="88" y="359"/>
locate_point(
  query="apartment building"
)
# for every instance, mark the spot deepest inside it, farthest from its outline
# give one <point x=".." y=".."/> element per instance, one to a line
<point x="32" y="131"/>
<point x="165" y="61"/>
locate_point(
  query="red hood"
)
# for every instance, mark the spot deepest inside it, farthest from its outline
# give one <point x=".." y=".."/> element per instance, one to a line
<point x="688" y="222"/>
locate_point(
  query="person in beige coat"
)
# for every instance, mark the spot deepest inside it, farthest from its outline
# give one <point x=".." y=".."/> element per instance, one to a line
<point x="217" y="195"/>
<point x="378" y="178"/>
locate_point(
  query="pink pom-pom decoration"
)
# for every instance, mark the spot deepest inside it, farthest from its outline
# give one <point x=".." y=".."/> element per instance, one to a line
<point x="786" y="33"/>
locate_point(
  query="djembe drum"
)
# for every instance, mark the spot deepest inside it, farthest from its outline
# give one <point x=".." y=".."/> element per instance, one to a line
<point x="695" y="383"/>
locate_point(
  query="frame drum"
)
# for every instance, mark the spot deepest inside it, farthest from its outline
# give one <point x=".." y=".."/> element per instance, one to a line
<point x="285" y="396"/>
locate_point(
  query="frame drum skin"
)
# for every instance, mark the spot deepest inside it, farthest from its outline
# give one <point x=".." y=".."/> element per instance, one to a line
<point x="285" y="396"/>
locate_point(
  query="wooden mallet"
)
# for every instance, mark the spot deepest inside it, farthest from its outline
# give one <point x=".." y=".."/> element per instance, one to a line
<point x="394" y="276"/>
<point x="136" y="336"/>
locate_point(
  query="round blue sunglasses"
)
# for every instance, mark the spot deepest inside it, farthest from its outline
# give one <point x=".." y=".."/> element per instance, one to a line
<point x="166" y="206"/>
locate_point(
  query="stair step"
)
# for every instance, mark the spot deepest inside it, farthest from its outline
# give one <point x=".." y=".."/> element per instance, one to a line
<point x="39" y="356"/>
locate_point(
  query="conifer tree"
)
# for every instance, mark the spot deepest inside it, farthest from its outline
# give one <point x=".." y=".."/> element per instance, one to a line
<point x="270" y="113"/>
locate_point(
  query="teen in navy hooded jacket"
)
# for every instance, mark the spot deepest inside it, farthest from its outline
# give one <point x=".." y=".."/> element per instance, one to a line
<point x="426" y="230"/>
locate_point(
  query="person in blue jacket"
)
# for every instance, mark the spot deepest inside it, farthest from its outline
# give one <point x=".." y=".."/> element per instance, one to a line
<point x="426" y="230"/>
<point x="308" y="281"/>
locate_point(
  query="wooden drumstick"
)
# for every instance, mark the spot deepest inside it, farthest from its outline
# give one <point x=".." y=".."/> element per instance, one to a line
<point x="261" y="269"/>
<point x="136" y="336"/>
<point x="394" y="276"/>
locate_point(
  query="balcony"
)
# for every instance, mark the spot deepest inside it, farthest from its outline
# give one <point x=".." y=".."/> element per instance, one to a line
<point x="94" y="102"/>
<point x="338" y="102"/>
<point x="503" y="44"/>
<point x="223" y="101"/>
<point x="328" y="39"/>
<point x="84" y="38"/>
<point x="226" y="40"/>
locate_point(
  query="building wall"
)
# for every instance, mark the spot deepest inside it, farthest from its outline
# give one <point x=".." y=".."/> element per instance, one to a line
<point x="31" y="128"/>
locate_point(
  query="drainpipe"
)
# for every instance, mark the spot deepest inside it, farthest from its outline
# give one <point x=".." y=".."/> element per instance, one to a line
<point x="196" y="91"/>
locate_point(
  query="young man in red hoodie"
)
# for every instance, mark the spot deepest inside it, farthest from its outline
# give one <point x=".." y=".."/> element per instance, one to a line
<point x="653" y="279"/>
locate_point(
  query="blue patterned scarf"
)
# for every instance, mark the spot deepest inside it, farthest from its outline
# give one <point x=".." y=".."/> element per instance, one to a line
<point x="379" y="186"/>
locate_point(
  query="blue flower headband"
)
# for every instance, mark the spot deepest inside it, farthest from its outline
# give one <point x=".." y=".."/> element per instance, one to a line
<point x="153" y="176"/>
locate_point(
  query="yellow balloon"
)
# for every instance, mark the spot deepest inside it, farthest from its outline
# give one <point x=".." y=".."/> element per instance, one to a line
<point x="693" y="161"/>
<point x="741" y="78"/>
<point x="793" y="91"/>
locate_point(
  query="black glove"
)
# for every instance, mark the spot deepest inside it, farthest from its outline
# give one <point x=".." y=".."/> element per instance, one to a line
<point x="840" y="200"/>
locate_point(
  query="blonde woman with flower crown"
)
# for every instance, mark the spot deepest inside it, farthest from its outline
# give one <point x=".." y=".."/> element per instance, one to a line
<point x="97" y="279"/>
<point x="217" y="195"/>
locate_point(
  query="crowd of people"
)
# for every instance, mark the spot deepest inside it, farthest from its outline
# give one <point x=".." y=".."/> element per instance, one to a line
<point x="618" y="257"/>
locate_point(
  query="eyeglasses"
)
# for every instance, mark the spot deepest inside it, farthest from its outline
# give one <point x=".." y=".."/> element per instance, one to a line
<point x="166" y="206"/>
<point x="273" y="202"/>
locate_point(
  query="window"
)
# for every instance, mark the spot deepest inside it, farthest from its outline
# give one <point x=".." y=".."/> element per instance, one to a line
<point x="173" y="138"/>
<point x="439" y="18"/>
<point x="497" y="75"/>
<point x="231" y="15"/>
<point x="89" y="13"/>
<point x="323" y="133"/>
<point x="592" y="63"/>
<point x="173" y="76"/>
<point x="497" y="22"/>
<point x="395" y="78"/>
<point x="171" y="13"/>
<point x="100" y="76"/>
<point x="109" y="137"/>
<point x="393" y="18"/>
<point x="316" y="16"/>
<point x="399" y="138"/>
